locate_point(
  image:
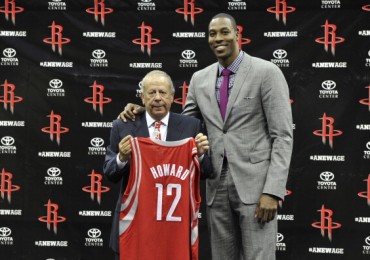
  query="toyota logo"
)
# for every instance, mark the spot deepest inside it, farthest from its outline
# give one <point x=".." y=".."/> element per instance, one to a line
<point x="55" y="83"/>
<point x="280" y="54"/>
<point x="97" y="142"/>
<point x="57" y="0"/>
<point x="188" y="54"/>
<point x="7" y="140"/>
<point x="367" y="240"/>
<point x="368" y="53"/>
<point x="326" y="176"/>
<point x="236" y="0"/>
<point x="5" y="232"/>
<point x="53" y="171"/>
<point x="9" y="52"/>
<point x="94" y="233"/>
<point x="328" y="85"/>
<point x="146" y="1"/>
<point x="98" y="54"/>
<point x="279" y="237"/>
<point x="141" y="85"/>
<point x="368" y="145"/>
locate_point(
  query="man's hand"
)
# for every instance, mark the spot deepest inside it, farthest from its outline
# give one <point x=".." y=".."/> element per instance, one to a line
<point x="202" y="144"/>
<point x="266" y="208"/>
<point x="130" y="111"/>
<point x="124" y="148"/>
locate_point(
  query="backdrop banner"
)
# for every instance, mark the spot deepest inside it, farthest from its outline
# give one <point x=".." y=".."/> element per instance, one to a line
<point x="68" y="68"/>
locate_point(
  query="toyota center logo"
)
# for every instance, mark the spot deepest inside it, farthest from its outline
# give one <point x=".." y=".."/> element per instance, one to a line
<point x="368" y="145"/>
<point x="367" y="240"/>
<point x="188" y="54"/>
<point x="94" y="233"/>
<point x="98" y="54"/>
<point x="327" y="176"/>
<point x="7" y="140"/>
<point x="53" y="171"/>
<point x="279" y="237"/>
<point x="5" y="232"/>
<point x="55" y="83"/>
<point x="97" y="142"/>
<point x="328" y="85"/>
<point x="280" y="54"/>
<point x="9" y="52"/>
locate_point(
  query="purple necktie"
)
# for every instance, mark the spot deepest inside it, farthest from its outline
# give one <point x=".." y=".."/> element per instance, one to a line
<point x="224" y="92"/>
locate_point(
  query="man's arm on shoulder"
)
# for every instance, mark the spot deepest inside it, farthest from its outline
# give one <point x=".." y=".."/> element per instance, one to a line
<point x="191" y="106"/>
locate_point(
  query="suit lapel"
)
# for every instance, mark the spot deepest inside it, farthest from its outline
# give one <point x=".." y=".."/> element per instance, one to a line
<point x="174" y="129"/>
<point x="140" y="127"/>
<point x="211" y="90"/>
<point x="238" y="83"/>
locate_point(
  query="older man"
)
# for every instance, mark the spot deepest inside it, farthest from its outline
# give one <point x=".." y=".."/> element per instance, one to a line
<point x="157" y="97"/>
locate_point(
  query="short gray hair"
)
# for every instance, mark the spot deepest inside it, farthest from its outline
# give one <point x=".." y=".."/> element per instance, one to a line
<point x="157" y="73"/>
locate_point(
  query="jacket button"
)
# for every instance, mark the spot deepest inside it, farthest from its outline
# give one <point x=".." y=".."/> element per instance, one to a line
<point x="225" y="131"/>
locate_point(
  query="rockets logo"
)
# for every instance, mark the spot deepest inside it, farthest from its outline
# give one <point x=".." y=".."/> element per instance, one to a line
<point x="6" y="186"/>
<point x="184" y="93"/>
<point x="56" y="39"/>
<point x="52" y="218"/>
<point x="189" y="9"/>
<point x="365" y="101"/>
<point x="366" y="8"/>
<point x="99" y="10"/>
<point x="326" y="222"/>
<point x="10" y="9"/>
<point x="146" y="38"/>
<point x="241" y="40"/>
<point x="9" y="97"/>
<point x="98" y="98"/>
<point x="95" y="186"/>
<point x="287" y="193"/>
<point x="330" y="38"/>
<point x="55" y="127"/>
<point x="366" y="194"/>
<point x="327" y="130"/>
<point x="282" y="9"/>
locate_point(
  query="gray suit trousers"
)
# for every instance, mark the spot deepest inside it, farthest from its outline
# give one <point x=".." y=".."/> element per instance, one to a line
<point x="234" y="232"/>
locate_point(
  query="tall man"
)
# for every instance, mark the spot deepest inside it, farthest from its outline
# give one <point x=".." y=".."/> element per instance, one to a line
<point x="157" y="97"/>
<point x="250" y="144"/>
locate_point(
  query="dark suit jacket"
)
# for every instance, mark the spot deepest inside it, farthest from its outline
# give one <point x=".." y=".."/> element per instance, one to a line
<point x="179" y="127"/>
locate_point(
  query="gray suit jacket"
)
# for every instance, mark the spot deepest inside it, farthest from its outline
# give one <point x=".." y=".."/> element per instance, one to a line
<point x="257" y="133"/>
<point x="179" y="127"/>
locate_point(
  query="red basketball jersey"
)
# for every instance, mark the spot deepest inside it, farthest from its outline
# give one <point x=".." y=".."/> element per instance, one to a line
<point x="159" y="211"/>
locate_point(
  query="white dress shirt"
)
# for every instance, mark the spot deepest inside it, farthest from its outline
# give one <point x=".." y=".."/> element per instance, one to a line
<point x="150" y="124"/>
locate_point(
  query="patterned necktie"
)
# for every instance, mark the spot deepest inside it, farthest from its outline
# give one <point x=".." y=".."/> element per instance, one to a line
<point x="224" y="91"/>
<point x="157" y="130"/>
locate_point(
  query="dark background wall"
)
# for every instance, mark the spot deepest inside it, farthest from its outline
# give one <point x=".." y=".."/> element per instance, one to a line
<point x="68" y="67"/>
